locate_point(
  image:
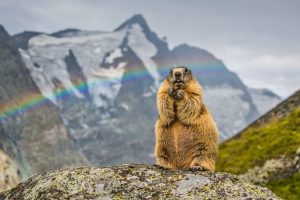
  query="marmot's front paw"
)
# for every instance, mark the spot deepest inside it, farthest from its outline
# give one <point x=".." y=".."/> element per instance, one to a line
<point x="171" y="92"/>
<point x="179" y="94"/>
<point x="197" y="168"/>
<point x="160" y="167"/>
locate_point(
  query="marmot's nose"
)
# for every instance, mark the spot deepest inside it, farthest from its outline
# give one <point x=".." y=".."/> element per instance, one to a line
<point x="177" y="74"/>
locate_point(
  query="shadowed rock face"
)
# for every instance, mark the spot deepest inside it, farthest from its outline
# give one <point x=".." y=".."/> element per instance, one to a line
<point x="35" y="141"/>
<point x="135" y="182"/>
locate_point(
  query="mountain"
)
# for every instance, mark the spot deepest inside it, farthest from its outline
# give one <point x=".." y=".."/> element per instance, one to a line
<point x="34" y="140"/>
<point x="104" y="85"/>
<point x="267" y="152"/>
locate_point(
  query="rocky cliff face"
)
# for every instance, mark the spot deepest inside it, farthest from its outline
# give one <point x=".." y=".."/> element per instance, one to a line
<point x="135" y="182"/>
<point x="37" y="141"/>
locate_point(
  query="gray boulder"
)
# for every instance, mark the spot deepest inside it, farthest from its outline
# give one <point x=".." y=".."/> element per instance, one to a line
<point x="135" y="182"/>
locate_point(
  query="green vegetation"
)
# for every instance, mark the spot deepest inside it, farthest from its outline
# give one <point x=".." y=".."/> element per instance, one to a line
<point x="258" y="144"/>
<point x="288" y="188"/>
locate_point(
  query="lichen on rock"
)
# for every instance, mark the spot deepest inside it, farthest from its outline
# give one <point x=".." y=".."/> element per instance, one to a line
<point x="135" y="181"/>
<point x="272" y="170"/>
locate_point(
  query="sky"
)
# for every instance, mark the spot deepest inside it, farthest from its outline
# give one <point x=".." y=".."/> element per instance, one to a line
<point x="257" y="39"/>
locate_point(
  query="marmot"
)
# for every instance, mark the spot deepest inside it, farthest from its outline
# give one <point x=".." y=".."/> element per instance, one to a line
<point x="186" y="134"/>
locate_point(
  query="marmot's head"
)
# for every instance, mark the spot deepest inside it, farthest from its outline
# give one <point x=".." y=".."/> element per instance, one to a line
<point x="179" y="76"/>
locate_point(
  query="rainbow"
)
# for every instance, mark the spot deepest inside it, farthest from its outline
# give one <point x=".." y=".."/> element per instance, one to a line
<point x="29" y="102"/>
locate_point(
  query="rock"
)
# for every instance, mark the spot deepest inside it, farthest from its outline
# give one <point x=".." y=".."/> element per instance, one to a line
<point x="135" y="182"/>
<point x="8" y="172"/>
<point x="297" y="160"/>
<point x="272" y="169"/>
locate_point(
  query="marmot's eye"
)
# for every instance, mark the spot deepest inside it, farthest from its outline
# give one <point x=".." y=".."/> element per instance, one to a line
<point x="187" y="70"/>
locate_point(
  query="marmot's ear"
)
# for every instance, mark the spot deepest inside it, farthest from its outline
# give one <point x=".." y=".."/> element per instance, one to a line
<point x="188" y="70"/>
<point x="171" y="72"/>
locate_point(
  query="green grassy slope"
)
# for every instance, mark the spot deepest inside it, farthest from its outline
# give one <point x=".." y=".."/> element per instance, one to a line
<point x="258" y="144"/>
<point x="274" y="135"/>
<point x="288" y="188"/>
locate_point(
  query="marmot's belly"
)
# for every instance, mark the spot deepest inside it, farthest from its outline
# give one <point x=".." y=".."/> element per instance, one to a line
<point x="185" y="145"/>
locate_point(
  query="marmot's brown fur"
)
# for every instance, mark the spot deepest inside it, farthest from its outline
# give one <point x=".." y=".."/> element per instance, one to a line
<point x="186" y="135"/>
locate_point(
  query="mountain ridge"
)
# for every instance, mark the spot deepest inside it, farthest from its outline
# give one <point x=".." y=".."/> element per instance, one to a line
<point x="139" y="19"/>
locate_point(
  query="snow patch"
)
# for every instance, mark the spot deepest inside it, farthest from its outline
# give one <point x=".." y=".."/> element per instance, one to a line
<point x="44" y="40"/>
<point x="111" y="72"/>
<point x="147" y="94"/>
<point x="108" y="83"/>
<point x="44" y="77"/>
<point x="117" y="53"/>
<point x="125" y="106"/>
<point x="97" y="50"/>
<point x="144" y="49"/>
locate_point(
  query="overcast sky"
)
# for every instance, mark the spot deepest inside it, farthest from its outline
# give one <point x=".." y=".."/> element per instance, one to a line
<point x="257" y="39"/>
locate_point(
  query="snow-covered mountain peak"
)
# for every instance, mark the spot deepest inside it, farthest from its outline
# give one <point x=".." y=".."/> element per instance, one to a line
<point x="151" y="36"/>
<point x="135" y="19"/>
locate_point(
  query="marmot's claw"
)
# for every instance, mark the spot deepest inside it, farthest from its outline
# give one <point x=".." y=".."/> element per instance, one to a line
<point x="197" y="168"/>
<point x="159" y="166"/>
<point x="179" y="94"/>
<point x="171" y="91"/>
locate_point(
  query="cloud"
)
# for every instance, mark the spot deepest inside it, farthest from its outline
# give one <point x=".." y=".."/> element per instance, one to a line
<point x="275" y="61"/>
<point x="278" y="72"/>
